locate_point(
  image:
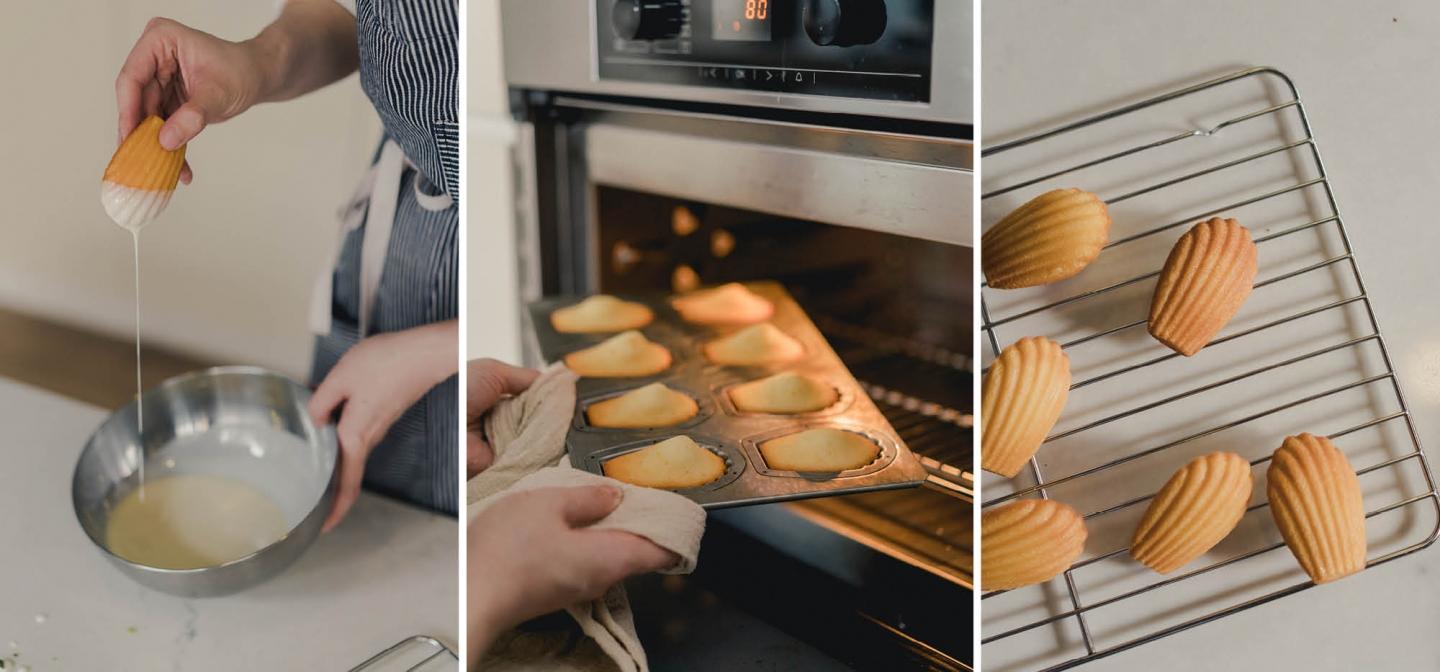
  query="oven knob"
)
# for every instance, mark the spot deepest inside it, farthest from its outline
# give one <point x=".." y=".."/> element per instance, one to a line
<point x="844" y="23"/>
<point x="647" y="19"/>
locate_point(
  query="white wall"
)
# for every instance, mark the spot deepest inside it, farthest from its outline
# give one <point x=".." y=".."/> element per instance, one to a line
<point x="493" y="319"/>
<point x="227" y="270"/>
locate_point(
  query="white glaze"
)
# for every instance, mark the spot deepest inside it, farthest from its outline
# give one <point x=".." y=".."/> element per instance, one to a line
<point x="130" y="207"/>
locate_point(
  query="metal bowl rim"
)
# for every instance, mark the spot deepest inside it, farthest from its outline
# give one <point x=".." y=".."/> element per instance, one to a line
<point x="175" y="381"/>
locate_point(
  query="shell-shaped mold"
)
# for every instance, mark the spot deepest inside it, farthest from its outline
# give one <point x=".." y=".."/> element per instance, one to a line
<point x="1206" y="279"/>
<point x="1052" y="237"/>
<point x="1028" y="541"/>
<point x="1022" y="398"/>
<point x="1315" y="499"/>
<point x="1199" y="505"/>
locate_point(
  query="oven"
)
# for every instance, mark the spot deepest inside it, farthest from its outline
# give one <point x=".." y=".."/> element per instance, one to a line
<point x="825" y="144"/>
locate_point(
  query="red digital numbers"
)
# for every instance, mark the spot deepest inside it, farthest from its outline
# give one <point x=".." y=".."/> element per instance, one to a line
<point x="757" y="9"/>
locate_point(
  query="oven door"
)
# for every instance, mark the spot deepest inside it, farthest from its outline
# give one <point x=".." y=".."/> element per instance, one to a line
<point x="871" y="232"/>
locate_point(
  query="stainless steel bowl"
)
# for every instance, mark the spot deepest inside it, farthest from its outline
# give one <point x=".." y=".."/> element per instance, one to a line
<point x="252" y="426"/>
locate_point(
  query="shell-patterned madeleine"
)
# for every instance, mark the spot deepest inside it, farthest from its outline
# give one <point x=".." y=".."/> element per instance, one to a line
<point x="1315" y="499"/>
<point x="1027" y="542"/>
<point x="1205" y="280"/>
<point x="1199" y="505"/>
<point x="141" y="176"/>
<point x="1052" y="237"/>
<point x="1020" y="401"/>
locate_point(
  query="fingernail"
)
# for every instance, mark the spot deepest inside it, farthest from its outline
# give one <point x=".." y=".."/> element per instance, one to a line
<point x="169" y="139"/>
<point x="615" y="493"/>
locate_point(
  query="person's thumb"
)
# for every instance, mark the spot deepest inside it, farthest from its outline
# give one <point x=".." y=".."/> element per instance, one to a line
<point x="182" y="126"/>
<point x="586" y="505"/>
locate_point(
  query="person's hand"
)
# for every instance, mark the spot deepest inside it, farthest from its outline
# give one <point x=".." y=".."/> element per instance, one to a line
<point x="191" y="78"/>
<point x="486" y="382"/>
<point x="194" y="79"/>
<point x="372" y="384"/>
<point x="531" y="553"/>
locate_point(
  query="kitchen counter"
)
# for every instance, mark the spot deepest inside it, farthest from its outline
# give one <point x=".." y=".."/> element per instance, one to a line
<point x="1365" y="74"/>
<point x="388" y="572"/>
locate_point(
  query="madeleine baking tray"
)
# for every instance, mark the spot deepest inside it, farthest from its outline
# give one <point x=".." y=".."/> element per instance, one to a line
<point x="1305" y="353"/>
<point x="733" y="435"/>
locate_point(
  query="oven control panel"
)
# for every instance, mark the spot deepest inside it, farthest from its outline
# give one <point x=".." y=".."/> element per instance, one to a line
<point x="875" y="49"/>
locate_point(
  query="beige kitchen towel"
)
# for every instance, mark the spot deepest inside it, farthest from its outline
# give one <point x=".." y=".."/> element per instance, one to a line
<point x="527" y="433"/>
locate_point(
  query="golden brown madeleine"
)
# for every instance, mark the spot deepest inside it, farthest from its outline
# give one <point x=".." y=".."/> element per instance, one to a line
<point x="1028" y="541"/>
<point x="1198" y="506"/>
<point x="1206" y="279"/>
<point x="729" y="304"/>
<point x="1315" y="499"/>
<point x="782" y="393"/>
<point x="625" y="355"/>
<point x="756" y="345"/>
<point x="1051" y="238"/>
<point x="675" y="464"/>
<point x="653" y="405"/>
<point x="819" y="450"/>
<point x="1021" y="400"/>
<point x="601" y="313"/>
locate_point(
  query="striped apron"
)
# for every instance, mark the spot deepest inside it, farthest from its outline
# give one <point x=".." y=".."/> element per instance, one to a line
<point x="395" y="263"/>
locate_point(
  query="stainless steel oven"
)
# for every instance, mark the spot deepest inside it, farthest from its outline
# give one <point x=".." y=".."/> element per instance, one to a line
<point x="826" y="144"/>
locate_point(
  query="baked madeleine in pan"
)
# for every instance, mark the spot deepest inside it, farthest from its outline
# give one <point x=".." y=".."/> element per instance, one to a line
<point x="654" y="405"/>
<point x="673" y="464"/>
<point x="624" y="355"/>
<point x="783" y="394"/>
<point x="1052" y="237"/>
<point x="1020" y="401"/>
<point x="600" y="314"/>
<point x="1205" y="280"/>
<point x="1199" y="506"/>
<point x="755" y="345"/>
<point x="820" y="450"/>
<point x="728" y="304"/>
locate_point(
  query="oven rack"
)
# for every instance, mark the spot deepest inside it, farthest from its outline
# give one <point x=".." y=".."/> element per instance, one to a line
<point x="1413" y="458"/>
<point x="938" y="431"/>
<point x="420" y="653"/>
<point x="930" y="529"/>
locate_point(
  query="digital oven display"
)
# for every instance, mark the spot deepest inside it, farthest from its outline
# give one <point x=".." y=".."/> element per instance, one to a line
<point x="743" y="20"/>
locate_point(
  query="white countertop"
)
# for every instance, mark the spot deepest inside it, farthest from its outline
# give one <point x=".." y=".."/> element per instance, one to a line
<point x="388" y="572"/>
<point x="1367" y="77"/>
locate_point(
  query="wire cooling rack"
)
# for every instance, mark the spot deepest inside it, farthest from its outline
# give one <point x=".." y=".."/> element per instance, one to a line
<point x="412" y="654"/>
<point x="1305" y="354"/>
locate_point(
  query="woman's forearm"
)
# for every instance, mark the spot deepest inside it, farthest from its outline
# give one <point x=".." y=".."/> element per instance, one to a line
<point x="311" y="44"/>
<point x="442" y="354"/>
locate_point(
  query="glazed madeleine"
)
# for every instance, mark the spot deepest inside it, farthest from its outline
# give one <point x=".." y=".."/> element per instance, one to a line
<point x="1028" y="541"/>
<point x="141" y="177"/>
<point x="1052" y="237"/>
<point x="1198" y="506"/>
<point x="1315" y="499"/>
<point x="1020" y="401"/>
<point x="1205" y="280"/>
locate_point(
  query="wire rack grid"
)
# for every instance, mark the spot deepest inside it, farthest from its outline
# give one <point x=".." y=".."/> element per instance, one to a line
<point x="419" y="653"/>
<point x="1198" y="407"/>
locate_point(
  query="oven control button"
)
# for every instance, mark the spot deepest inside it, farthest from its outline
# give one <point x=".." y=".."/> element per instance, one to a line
<point x="844" y="23"/>
<point x="647" y="19"/>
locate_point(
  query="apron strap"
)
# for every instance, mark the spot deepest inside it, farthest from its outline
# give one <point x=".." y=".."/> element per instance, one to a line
<point x="380" y="189"/>
<point x="380" y="220"/>
<point x="372" y="204"/>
